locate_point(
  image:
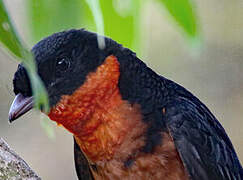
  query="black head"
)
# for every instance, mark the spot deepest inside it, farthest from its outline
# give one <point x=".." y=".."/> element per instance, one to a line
<point x="63" y="60"/>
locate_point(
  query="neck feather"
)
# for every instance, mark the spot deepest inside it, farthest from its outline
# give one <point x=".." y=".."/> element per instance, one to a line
<point x="96" y="114"/>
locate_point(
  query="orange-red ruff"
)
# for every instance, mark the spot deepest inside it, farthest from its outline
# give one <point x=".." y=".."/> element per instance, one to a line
<point x="110" y="131"/>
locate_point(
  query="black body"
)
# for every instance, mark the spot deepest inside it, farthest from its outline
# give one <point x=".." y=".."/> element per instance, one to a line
<point x="201" y="141"/>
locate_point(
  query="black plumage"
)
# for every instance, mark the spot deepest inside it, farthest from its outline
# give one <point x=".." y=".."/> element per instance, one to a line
<point x="202" y="143"/>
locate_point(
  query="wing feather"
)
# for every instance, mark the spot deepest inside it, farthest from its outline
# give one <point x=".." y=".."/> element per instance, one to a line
<point x="81" y="164"/>
<point x="203" y="145"/>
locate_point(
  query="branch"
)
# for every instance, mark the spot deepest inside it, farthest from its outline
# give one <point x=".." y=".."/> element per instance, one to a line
<point x="13" y="167"/>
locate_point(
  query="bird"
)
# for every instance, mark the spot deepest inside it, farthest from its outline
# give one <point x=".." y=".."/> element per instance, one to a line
<point x="128" y="122"/>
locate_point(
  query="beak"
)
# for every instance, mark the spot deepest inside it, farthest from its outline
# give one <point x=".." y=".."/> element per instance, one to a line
<point x="20" y="106"/>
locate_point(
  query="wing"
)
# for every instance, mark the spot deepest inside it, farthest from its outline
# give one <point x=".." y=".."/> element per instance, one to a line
<point x="204" y="147"/>
<point x="81" y="164"/>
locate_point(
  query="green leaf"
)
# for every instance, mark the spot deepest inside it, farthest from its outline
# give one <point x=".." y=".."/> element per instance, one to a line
<point x="102" y="16"/>
<point x="10" y="40"/>
<point x="48" y="127"/>
<point x="184" y="14"/>
<point x="8" y="37"/>
<point x="46" y="17"/>
<point x="120" y="27"/>
<point x="40" y="94"/>
<point x="119" y="23"/>
<point x="98" y="17"/>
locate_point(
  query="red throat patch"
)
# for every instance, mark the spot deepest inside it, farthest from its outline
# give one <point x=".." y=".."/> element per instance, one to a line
<point x="110" y="131"/>
<point x="96" y="114"/>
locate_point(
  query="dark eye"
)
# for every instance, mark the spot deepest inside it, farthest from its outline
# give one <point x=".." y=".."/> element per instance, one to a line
<point x="63" y="64"/>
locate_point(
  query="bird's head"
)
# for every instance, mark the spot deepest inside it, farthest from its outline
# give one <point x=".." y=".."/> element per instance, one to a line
<point x="99" y="95"/>
<point x="67" y="63"/>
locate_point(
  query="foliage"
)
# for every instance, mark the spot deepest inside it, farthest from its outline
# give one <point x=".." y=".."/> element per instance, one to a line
<point x="11" y="41"/>
<point x="183" y="13"/>
<point x="118" y="19"/>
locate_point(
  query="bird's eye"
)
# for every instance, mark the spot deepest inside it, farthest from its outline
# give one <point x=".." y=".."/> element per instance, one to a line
<point x="63" y="64"/>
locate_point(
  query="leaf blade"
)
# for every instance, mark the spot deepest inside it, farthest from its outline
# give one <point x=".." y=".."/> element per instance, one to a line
<point x="10" y="40"/>
<point x="184" y="14"/>
<point x="118" y="27"/>
<point x="46" y="18"/>
<point x="8" y="37"/>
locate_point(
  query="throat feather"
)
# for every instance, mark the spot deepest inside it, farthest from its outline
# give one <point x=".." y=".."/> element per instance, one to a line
<point x="96" y="114"/>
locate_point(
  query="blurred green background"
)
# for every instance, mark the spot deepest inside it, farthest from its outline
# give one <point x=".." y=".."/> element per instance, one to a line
<point x="209" y="65"/>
